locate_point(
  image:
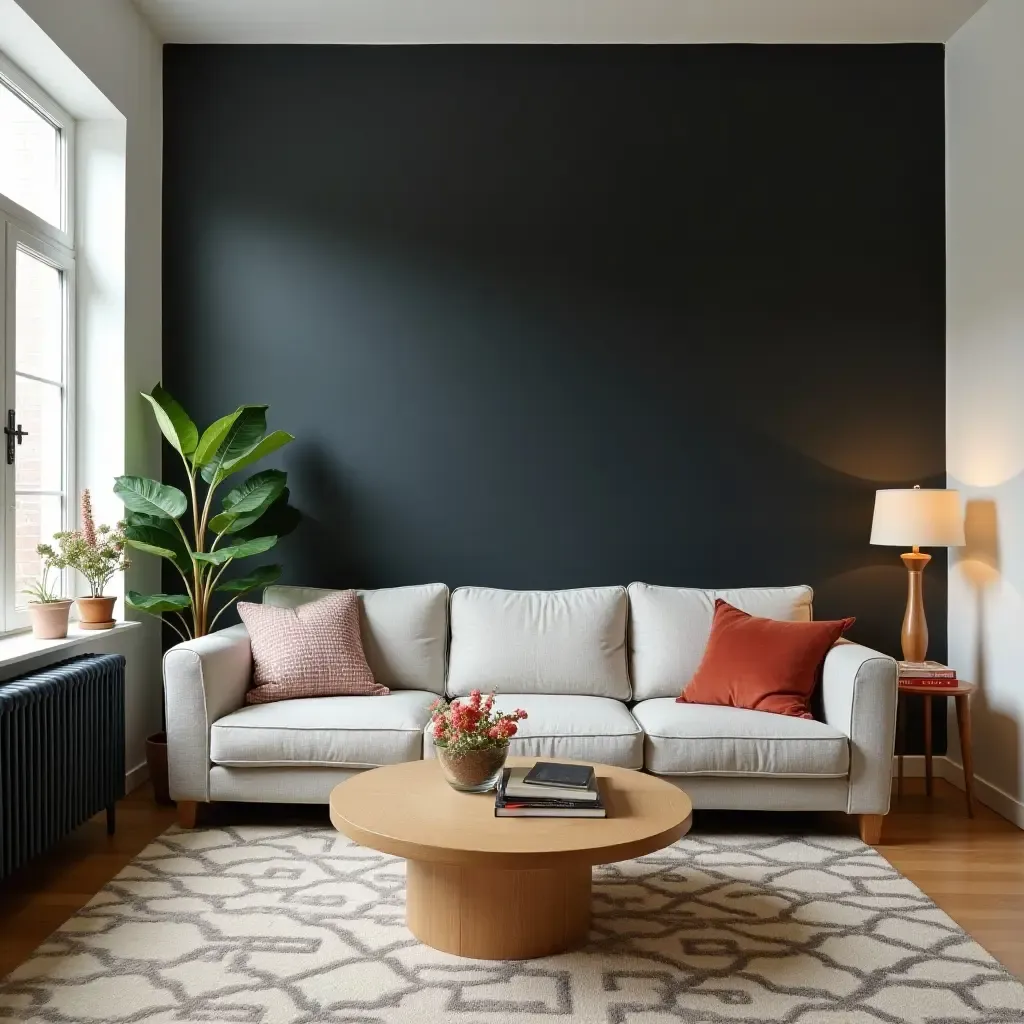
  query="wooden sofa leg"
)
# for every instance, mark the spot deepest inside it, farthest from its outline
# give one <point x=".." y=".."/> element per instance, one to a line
<point x="871" y="828"/>
<point x="188" y="813"/>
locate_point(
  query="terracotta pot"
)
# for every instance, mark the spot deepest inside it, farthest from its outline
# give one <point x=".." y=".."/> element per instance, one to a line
<point x="96" y="612"/>
<point x="475" y="771"/>
<point x="156" y="758"/>
<point x="49" y="619"/>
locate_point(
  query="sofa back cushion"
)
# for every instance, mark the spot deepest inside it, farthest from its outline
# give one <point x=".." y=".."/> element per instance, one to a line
<point x="539" y="641"/>
<point x="669" y="628"/>
<point x="404" y="631"/>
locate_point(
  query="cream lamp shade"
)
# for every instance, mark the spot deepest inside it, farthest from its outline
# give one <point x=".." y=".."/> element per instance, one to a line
<point x="918" y="517"/>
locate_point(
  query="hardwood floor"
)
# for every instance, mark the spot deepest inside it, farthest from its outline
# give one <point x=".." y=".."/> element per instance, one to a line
<point x="38" y="899"/>
<point x="972" y="868"/>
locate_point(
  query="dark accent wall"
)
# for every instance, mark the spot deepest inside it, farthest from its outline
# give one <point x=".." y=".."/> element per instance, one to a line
<point x="549" y="316"/>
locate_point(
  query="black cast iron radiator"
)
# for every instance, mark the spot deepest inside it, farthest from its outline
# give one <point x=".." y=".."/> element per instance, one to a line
<point x="61" y="752"/>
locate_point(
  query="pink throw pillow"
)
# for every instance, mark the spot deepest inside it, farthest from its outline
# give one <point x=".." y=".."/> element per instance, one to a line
<point x="314" y="650"/>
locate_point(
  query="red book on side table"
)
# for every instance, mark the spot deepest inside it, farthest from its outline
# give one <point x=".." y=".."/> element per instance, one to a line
<point x="932" y="675"/>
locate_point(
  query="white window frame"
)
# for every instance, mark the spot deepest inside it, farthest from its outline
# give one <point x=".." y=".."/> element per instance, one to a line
<point x="23" y="230"/>
<point x="40" y="101"/>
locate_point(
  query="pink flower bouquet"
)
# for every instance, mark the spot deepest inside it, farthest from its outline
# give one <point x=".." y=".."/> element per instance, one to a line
<point x="471" y="739"/>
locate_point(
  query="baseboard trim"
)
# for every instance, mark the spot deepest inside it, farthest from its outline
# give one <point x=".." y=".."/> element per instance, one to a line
<point x="985" y="792"/>
<point x="991" y="795"/>
<point x="136" y="777"/>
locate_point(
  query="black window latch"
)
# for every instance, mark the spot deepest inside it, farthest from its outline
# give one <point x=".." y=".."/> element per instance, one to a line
<point x="12" y="433"/>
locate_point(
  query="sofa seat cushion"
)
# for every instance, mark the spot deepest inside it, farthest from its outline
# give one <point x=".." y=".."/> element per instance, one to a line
<point x="350" y="732"/>
<point x="596" y="729"/>
<point x="702" y="739"/>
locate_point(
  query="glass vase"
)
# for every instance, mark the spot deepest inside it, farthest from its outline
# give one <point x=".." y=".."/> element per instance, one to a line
<point x="473" y="771"/>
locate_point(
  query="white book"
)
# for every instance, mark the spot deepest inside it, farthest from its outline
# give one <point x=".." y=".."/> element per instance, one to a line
<point x="550" y="812"/>
<point x="925" y="670"/>
<point x="517" y="789"/>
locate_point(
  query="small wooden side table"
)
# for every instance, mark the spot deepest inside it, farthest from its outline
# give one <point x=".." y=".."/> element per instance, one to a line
<point x="961" y="693"/>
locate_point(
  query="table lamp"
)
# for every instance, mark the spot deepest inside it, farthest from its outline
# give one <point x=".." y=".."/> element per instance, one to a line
<point x="917" y="517"/>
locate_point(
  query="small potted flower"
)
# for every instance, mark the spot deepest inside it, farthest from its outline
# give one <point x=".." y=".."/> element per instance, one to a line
<point x="471" y="740"/>
<point x="47" y="609"/>
<point x="97" y="552"/>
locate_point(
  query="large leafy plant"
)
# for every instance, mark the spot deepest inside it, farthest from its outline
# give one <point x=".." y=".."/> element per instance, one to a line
<point x="201" y="542"/>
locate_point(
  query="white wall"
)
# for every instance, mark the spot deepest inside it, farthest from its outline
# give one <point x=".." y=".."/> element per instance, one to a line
<point x="102" y="62"/>
<point x="985" y="385"/>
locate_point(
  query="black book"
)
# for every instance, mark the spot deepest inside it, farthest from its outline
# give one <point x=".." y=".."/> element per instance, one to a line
<point x="561" y="776"/>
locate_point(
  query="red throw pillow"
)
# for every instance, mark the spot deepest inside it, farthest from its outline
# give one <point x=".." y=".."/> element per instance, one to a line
<point x="761" y="664"/>
<point x="315" y="650"/>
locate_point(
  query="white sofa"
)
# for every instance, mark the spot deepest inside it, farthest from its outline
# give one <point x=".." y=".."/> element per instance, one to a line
<point x="597" y="669"/>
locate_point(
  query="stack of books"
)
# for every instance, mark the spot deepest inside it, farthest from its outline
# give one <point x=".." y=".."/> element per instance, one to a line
<point x="549" y="790"/>
<point x="932" y="674"/>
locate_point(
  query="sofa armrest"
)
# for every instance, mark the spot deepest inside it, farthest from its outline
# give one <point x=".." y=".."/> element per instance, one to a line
<point x="859" y="693"/>
<point x="204" y="680"/>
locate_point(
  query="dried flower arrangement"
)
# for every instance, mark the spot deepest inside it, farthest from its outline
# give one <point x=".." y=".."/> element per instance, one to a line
<point x="97" y="552"/>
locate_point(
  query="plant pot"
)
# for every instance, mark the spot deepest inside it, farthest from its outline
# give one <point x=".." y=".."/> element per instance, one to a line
<point x="49" y="619"/>
<point x="156" y="759"/>
<point x="475" y="771"/>
<point x="96" y="612"/>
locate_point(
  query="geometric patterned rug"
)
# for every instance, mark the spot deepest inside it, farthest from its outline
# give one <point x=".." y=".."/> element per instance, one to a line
<point x="284" y="925"/>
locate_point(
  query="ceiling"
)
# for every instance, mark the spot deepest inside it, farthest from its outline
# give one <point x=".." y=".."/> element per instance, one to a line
<point x="555" y="21"/>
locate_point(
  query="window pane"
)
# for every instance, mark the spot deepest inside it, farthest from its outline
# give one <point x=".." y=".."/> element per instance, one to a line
<point x="29" y="158"/>
<point x="38" y="518"/>
<point x="37" y="464"/>
<point x="39" y="323"/>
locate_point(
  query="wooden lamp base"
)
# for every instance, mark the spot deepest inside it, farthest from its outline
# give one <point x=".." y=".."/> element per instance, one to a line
<point x="914" y="634"/>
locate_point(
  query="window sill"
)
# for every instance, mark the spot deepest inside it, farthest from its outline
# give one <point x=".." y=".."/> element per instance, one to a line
<point x="18" y="647"/>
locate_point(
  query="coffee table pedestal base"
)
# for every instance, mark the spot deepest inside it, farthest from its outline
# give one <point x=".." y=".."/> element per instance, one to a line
<point x="495" y="914"/>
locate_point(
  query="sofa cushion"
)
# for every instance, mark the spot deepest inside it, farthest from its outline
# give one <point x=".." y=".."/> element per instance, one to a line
<point x="762" y="664"/>
<point x="669" y="628"/>
<point x="702" y="739"/>
<point x="553" y="641"/>
<point x="352" y="732"/>
<point x="579" y="728"/>
<point x="404" y="631"/>
<point x="314" y="650"/>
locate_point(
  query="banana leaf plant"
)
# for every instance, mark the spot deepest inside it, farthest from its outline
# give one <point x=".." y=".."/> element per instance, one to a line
<point x="201" y="541"/>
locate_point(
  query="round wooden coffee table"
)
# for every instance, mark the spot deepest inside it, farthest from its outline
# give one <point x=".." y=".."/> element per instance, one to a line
<point x="501" y="888"/>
